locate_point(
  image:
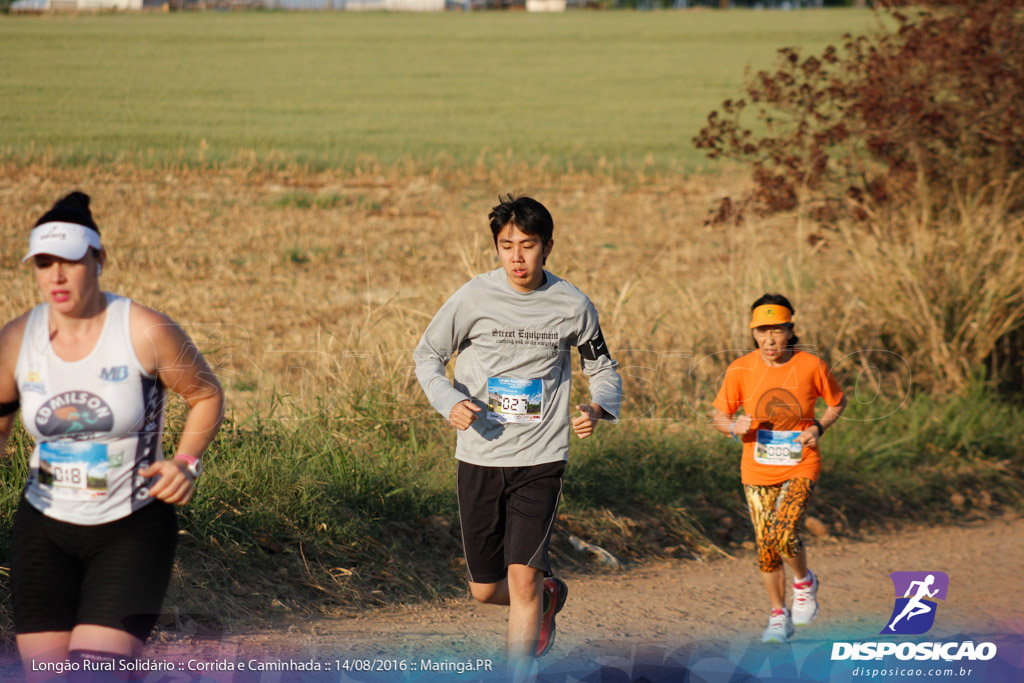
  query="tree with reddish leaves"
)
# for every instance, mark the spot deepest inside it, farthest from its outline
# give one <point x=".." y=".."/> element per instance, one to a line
<point x="929" y="110"/>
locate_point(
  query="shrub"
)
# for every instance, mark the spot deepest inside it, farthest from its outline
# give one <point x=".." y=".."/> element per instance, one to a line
<point x="930" y="108"/>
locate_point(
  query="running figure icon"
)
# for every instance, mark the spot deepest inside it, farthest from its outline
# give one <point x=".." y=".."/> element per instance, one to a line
<point x="915" y="606"/>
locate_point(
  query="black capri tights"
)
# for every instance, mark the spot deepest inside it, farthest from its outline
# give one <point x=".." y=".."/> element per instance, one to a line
<point x="112" y="574"/>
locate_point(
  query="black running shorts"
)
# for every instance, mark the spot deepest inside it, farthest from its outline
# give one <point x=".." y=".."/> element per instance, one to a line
<point x="507" y="514"/>
<point x="112" y="574"/>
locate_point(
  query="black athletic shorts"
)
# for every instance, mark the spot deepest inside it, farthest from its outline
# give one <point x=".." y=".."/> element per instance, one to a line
<point x="507" y="514"/>
<point x="112" y="574"/>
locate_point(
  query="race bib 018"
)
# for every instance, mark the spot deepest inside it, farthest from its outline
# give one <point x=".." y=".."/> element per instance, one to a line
<point x="74" y="470"/>
<point x="518" y="401"/>
<point x="777" y="447"/>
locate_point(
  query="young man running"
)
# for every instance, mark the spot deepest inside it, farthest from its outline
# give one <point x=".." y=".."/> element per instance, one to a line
<point x="513" y="328"/>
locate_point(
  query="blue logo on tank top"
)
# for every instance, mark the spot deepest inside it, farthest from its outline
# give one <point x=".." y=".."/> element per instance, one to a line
<point x="117" y="373"/>
<point x="74" y="414"/>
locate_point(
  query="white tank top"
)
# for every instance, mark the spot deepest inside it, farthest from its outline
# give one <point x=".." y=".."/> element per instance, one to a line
<point x="96" y="421"/>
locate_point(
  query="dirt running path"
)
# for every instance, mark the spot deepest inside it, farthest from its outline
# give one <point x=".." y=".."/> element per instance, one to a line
<point x="677" y="604"/>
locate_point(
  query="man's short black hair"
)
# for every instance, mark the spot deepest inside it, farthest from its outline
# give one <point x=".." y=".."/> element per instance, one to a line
<point x="525" y="213"/>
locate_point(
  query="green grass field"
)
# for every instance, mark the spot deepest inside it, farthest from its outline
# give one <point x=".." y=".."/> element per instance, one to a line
<point x="328" y="88"/>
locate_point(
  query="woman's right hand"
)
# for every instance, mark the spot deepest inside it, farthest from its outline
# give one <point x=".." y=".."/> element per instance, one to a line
<point x="175" y="484"/>
<point x="741" y="425"/>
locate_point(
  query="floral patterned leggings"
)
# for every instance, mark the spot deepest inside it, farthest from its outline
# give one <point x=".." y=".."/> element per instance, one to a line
<point x="776" y="512"/>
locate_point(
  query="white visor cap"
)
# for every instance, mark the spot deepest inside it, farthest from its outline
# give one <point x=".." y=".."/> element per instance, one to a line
<point x="66" y="240"/>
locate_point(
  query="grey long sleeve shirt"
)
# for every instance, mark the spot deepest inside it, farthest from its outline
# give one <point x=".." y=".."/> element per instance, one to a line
<point x="515" y="363"/>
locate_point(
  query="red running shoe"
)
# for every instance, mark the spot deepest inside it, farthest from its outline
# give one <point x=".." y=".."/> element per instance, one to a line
<point x="555" y="593"/>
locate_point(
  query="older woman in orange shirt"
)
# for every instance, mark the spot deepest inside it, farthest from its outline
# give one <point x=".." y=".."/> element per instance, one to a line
<point x="776" y="387"/>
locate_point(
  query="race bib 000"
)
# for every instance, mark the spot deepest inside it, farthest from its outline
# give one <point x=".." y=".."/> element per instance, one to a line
<point x="518" y="401"/>
<point x="777" y="447"/>
<point x="74" y="470"/>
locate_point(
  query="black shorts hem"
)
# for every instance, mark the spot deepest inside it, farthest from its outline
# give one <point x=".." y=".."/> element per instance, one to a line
<point x="140" y="630"/>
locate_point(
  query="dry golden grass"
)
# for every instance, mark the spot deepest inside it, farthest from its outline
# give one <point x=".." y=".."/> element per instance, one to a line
<point x="308" y="282"/>
<point x="952" y="288"/>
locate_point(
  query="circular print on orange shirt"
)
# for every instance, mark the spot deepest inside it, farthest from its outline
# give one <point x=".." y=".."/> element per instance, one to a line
<point x="778" y="410"/>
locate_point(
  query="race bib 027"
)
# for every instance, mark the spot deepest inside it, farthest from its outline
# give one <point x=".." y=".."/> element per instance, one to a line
<point x="74" y="470"/>
<point x="777" y="447"/>
<point x="519" y="401"/>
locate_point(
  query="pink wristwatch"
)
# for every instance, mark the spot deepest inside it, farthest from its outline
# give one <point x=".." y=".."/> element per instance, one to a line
<point x="195" y="465"/>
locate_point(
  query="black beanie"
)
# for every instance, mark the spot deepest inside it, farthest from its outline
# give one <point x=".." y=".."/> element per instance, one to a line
<point x="73" y="208"/>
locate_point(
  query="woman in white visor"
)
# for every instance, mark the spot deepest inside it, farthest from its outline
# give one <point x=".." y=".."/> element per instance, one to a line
<point x="95" y="530"/>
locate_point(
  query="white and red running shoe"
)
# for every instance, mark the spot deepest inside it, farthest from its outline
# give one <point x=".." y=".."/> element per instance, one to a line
<point x="780" y="627"/>
<point x="805" y="600"/>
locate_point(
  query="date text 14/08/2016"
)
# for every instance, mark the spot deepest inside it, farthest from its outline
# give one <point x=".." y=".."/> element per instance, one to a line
<point x="456" y="667"/>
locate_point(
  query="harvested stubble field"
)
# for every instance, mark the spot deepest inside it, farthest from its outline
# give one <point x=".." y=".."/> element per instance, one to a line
<point x="304" y="283"/>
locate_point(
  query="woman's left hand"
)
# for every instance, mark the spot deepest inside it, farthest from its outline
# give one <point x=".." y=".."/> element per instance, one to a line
<point x="176" y="484"/>
<point x="808" y="437"/>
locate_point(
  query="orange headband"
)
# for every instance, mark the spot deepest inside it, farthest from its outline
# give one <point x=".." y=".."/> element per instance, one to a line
<point x="770" y="314"/>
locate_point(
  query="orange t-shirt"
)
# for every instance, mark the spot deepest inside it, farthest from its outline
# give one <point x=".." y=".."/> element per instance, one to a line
<point x="777" y="399"/>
